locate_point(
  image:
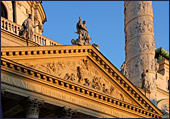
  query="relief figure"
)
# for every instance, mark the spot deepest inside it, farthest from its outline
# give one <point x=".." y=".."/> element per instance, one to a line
<point x="96" y="83"/>
<point x="104" y="89"/>
<point x="79" y="74"/>
<point x="87" y="82"/>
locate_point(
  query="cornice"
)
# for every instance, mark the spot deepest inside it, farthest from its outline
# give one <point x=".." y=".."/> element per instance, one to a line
<point x="96" y="56"/>
<point x="69" y="86"/>
<point x="124" y="82"/>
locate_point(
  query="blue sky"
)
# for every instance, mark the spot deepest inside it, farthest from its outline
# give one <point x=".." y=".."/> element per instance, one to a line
<point x="105" y="23"/>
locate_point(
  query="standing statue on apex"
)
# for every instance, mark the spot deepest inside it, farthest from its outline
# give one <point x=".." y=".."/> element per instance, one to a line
<point x="84" y="38"/>
<point x="27" y="29"/>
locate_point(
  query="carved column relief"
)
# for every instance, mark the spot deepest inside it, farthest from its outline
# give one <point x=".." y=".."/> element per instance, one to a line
<point x="33" y="107"/>
<point x="140" y="44"/>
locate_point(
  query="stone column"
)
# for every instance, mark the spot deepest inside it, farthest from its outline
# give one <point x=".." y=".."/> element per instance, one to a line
<point x="65" y="112"/>
<point x="139" y="40"/>
<point x="140" y="45"/>
<point x="33" y="107"/>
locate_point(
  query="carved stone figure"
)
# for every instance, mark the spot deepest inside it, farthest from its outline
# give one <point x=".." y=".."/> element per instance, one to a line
<point x="104" y="89"/>
<point x="152" y="84"/>
<point x="87" y="82"/>
<point x="79" y="74"/>
<point x="111" y="89"/>
<point x="84" y="38"/>
<point x="85" y="63"/>
<point x="66" y="77"/>
<point x="96" y="83"/>
<point x="145" y="83"/>
<point x="27" y="29"/>
<point x="72" y="77"/>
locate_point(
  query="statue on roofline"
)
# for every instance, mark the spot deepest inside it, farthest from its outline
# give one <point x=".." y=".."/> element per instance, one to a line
<point x="84" y="38"/>
<point x="27" y="29"/>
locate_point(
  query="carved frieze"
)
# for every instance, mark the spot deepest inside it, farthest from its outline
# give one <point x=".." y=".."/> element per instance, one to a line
<point x="139" y="46"/>
<point x="81" y="72"/>
<point x="139" y="27"/>
<point x="135" y="9"/>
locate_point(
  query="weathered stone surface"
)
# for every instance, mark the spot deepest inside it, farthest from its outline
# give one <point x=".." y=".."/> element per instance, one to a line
<point x="140" y="44"/>
<point x="141" y="65"/>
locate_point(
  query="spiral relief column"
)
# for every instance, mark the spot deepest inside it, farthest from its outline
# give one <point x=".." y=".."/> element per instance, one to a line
<point x="140" y="44"/>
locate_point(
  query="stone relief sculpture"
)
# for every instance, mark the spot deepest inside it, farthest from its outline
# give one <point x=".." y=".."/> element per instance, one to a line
<point x="141" y="8"/>
<point x="84" y="38"/>
<point x="146" y="46"/>
<point x="111" y="89"/>
<point x="85" y="63"/>
<point x="27" y="29"/>
<point x="81" y="72"/>
<point x="79" y="75"/>
<point x="139" y="65"/>
<point x="152" y="84"/>
<point x="87" y="82"/>
<point x="70" y="77"/>
<point x="105" y="90"/>
<point x="145" y="84"/>
<point x="154" y="66"/>
<point x="96" y="84"/>
<point x="140" y="27"/>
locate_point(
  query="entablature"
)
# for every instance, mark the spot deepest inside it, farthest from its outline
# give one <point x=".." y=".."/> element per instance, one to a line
<point x="68" y="86"/>
<point x="95" y="56"/>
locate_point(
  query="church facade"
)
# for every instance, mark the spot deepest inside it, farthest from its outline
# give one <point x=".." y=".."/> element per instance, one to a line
<point x="49" y="80"/>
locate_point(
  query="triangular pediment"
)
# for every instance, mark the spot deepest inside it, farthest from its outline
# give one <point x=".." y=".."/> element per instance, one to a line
<point x="81" y="71"/>
<point x="83" y="65"/>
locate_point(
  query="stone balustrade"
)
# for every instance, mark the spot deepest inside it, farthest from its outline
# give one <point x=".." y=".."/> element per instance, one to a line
<point x="10" y="26"/>
<point x="15" y="28"/>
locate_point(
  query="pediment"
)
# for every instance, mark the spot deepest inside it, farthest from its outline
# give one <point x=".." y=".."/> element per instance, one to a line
<point x="83" y="65"/>
<point x="81" y="71"/>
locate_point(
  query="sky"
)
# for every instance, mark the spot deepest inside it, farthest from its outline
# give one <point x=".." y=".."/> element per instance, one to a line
<point x="105" y="23"/>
